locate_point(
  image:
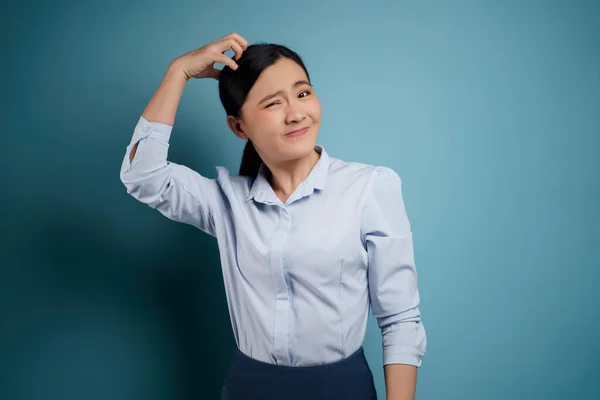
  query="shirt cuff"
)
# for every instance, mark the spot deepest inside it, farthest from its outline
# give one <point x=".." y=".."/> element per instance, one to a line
<point x="398" y="356"/>
<point x="157" y="130"/>
<point x="143" y="130"/>
<point x="404" y="343"/>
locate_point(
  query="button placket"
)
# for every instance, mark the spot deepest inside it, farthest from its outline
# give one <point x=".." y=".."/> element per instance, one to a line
<point x="286" y="216"/>
<point x="282" y="301"/>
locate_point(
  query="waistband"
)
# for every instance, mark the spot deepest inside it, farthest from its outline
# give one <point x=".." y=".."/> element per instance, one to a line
<point x="353" y="361"/>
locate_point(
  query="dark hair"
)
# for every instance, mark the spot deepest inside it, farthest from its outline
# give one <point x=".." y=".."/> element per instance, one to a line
<point x="234" y="87"/>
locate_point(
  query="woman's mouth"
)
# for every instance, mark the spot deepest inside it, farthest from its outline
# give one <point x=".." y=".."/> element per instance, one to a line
<point x="297" y="132"/>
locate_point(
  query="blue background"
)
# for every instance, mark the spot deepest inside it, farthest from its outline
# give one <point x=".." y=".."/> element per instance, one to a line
<point x="487" y="110"/>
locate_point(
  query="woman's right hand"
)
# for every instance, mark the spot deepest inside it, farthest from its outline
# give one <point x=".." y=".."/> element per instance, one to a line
<point x="199" y="63"/>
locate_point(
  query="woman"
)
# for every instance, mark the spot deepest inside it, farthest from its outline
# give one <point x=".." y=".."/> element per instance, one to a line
<point x="307" y="241"/>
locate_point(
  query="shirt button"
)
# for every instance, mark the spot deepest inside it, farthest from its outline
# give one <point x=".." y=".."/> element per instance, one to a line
<point x="146" y="128"/>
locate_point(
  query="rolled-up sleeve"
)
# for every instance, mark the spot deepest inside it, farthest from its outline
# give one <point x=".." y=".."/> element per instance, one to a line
<point x="178" y="192"/>
<point x="392" y="274"/>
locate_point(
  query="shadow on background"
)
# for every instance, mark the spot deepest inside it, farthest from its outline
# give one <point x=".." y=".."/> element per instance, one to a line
<point x="106" y="297"/>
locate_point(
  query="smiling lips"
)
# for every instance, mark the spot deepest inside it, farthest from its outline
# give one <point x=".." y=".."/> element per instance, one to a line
<point x="297" y="132"/>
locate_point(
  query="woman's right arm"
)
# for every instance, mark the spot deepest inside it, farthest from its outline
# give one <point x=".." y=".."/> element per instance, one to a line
<point x="162" y="107"/>
<point x="178" y="192"/>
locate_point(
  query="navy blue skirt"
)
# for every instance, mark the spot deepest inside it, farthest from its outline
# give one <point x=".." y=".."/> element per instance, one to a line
<point x="250" y="379"/>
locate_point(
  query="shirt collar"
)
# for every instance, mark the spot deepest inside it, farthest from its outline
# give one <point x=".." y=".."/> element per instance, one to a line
<point x="262" y="191"/>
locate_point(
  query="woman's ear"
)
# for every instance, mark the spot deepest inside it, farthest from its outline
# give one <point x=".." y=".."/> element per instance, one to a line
<point x="237" y="126"/>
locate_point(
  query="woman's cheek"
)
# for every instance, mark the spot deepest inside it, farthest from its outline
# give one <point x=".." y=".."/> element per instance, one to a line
<point x="266" y="120"/>
<point x="316" y="110"/>
<point x="268" y="126"/>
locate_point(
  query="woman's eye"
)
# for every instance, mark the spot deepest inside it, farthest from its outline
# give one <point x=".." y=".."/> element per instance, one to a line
<point x="302" y="94"/>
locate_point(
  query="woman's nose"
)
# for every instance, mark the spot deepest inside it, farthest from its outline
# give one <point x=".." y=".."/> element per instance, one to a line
<point x="294" y="114"/>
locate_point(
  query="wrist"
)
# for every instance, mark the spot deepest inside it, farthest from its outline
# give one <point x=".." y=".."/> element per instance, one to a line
<point x="176" y="71"/>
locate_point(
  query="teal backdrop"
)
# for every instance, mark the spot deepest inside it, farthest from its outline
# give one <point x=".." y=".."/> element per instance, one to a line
<point x="489" y="111"/>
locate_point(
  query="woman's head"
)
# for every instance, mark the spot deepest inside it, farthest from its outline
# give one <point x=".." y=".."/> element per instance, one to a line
<point x="266" y="98"/>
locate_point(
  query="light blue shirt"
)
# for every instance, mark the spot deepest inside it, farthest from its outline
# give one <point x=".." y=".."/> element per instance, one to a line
<point x="300" y="276"/>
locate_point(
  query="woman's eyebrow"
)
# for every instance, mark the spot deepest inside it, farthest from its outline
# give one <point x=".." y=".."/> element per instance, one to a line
<point x="280" y="92"/>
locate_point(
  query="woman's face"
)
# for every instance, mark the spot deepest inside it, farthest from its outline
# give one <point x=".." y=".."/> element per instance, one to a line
<point x="280" y="103"/>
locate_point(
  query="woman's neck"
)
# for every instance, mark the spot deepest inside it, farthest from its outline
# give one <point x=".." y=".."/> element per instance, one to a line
<point x="285" y="178"/>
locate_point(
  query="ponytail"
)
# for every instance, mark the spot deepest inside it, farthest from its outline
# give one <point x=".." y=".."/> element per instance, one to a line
<point x="251" y="161"/>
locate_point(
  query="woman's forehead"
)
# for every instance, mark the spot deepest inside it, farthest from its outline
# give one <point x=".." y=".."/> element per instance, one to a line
<point x="280" y="76"/>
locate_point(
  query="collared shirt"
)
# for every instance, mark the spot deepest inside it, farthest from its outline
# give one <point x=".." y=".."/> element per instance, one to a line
<point x="299" y="276"/>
